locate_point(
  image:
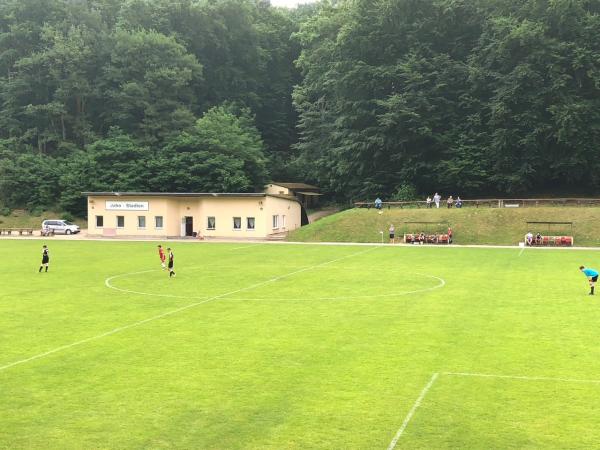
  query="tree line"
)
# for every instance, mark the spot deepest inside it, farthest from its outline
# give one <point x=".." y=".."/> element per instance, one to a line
<point x="362" y="97"/>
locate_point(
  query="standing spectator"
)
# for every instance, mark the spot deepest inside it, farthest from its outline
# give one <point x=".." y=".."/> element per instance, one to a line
<point x="449" y="235"/>
<point x="392" y="234"/>
<point x="429" y="205"/>
<point x="458" y="202"/>
<point x="378" y="203"/>
<point x="450" y="202"/>
<point x="436" y="199"/>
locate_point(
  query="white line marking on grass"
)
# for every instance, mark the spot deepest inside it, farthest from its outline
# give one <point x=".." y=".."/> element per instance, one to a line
<point x="522" y="250"/>
<point x="441" y="284"/>
<point x="520" y="377"/>
<point x="246" y="246"/>
<point x="412" y="411"/>
<point x="177" y="310"/>
<point x="108" y="284"/>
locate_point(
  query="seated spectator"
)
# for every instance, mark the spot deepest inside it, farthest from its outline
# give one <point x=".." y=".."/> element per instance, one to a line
<point x="538" y="239"/>
<point x="421" y="238"/>
<point x="529" y="238"/>
<point x="450" y="202"/>
<point x="378" y="203"/>
<point x="458" y="202"/>
<point x="429" y="204"/>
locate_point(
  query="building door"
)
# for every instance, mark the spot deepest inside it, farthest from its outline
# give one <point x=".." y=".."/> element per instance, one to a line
<point x="189" y="226"/>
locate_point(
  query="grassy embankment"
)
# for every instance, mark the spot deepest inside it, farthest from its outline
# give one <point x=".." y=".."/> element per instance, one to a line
<point x="471" y="225"/>
<point x="23" y="219"/>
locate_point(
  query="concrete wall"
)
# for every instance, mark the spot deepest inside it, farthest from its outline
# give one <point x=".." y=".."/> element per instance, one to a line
<point x="174" y="209"/>
<point x="275" y="189"/>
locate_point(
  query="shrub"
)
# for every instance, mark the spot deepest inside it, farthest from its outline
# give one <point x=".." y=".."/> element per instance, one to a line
<point x="5" y="211"/>
<point x="405" y="192"/>
<point x="37" y="211"/>
<point x="67" y="216"/>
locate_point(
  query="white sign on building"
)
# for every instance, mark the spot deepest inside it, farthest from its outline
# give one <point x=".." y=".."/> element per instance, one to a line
<point x="126" y="206"/>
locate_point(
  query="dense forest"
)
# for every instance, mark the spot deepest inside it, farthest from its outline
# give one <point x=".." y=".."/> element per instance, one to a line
<point x="362" y="97"/>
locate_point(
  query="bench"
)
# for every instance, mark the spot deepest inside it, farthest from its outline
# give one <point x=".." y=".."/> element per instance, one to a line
<point x="427" y="239"/>
<point x="554" y="241"/>
<point x="21" y="231"/>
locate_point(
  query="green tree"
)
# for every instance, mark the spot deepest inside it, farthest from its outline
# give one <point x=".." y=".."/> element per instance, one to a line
<point x="223" y="153"/>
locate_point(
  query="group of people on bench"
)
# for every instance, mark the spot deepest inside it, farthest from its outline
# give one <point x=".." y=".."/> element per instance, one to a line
<point x="538" y="239"/>
<point x="423" y="238"/>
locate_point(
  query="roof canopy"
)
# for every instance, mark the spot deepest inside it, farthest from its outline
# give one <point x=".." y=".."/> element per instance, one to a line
<point x="295" y="185"/>
<point x="188" y="194"/>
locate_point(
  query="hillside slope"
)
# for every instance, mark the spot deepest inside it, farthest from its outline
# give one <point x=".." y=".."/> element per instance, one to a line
<point x="471" y="225"/>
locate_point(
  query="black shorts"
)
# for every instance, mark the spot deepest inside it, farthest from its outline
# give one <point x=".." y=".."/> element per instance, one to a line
<point x="391" y="235"/>
<point x="45" y="260"/>
<point x="170" y="264"/>
<point x="595" y="278"/>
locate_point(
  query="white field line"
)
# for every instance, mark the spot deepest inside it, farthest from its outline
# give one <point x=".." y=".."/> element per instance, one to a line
<point x="441" y="284"/>
<point x="177" y="310"/>
<point x="108" y="284"/>
<point x="520" y="377"/>
<point x="412" y="411"/>
<point x="522" y="250"/>
<point x="243" y="247"/>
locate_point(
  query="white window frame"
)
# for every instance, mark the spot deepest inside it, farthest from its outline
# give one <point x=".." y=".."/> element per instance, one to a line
<point x="138" y="223"/>
<point x="233" y="223"/>
<point x="162" y="219"/>
<point x="117" y="220"/>
<point x="214" y="218"/>
<point x="275" y="221"/>
<point x="254" y="227"/>
<point x="101" y="226"/>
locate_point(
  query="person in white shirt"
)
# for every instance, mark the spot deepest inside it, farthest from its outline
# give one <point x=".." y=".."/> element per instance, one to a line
<point x="529" y="238"/>
<point x="436" y="199"/>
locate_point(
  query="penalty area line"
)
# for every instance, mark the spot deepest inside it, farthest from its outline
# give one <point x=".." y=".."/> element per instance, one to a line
<point x="412" y="411"/>
<point x="175" y="311"/>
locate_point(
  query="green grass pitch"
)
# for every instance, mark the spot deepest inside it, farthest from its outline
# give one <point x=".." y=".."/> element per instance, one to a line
<point x="297" y="347"/>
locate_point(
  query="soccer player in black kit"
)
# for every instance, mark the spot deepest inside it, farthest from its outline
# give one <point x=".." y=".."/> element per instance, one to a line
<point x="45" y="258"/>
<point x="171" y="263"/>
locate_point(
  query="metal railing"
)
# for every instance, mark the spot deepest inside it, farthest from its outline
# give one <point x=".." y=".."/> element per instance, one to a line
<point x="490" y="203"/>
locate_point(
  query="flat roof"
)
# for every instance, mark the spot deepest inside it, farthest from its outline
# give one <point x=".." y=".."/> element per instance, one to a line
<point x="188" y="194"/>
<point x="295" y="185"/>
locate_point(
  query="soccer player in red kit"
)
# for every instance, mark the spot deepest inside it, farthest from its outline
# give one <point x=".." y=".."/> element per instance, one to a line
<point x="161" y="254"/>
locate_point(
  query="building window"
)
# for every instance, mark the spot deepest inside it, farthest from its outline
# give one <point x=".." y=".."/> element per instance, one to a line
<point x="275" y="222"/>
<point x="99" y="221"/>
<point x="237" y="223"/>
<point x="158" y="222"/>
<point x="142" y="222"/>
<point x="250" y="223"/>
<point x="211" y="223"/>
<point x="283" y="221"/>
<point x="120" y="221"/>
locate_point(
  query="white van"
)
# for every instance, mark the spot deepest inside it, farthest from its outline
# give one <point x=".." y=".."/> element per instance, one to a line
<point x="60" y="227"/>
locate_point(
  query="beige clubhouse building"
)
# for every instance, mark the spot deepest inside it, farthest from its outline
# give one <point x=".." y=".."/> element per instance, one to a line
<point x="251" y="215"/>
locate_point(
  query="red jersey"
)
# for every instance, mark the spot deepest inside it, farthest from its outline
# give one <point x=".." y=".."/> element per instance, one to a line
<point x="161" y="253"/>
